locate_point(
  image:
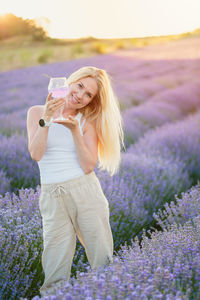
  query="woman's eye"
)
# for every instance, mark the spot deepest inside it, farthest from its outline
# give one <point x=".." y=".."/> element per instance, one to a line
<point x="80" y="85"/>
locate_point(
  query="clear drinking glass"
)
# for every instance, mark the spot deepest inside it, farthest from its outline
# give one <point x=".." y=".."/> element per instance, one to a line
<point x="59" y="88"/>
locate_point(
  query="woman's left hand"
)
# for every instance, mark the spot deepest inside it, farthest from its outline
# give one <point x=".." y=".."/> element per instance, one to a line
<point x="70" y="123"/>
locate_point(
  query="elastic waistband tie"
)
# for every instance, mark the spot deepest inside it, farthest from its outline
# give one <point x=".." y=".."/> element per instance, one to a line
<point x="58" y="188"/>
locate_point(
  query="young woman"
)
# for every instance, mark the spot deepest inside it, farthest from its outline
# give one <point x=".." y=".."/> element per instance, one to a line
<point x="72" y="202"/>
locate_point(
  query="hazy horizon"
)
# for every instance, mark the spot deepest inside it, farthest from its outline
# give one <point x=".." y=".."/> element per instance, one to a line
<point x="113" y="19"/>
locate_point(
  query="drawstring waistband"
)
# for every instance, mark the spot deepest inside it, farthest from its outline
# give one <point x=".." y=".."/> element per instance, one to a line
<point x="58" y="188"/>
<point x="66" y="185"/>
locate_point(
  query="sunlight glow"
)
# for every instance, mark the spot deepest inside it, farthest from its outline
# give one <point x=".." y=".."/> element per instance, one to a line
<point x="110" y="19"/>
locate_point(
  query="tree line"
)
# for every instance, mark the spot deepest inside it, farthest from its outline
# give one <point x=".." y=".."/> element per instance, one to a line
<point x="10" y="26"/>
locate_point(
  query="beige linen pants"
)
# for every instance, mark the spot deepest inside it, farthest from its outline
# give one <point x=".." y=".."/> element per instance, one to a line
<point x="74" y="207"/>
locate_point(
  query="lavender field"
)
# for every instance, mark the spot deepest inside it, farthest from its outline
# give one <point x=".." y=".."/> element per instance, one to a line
<point x="154" y="198"/>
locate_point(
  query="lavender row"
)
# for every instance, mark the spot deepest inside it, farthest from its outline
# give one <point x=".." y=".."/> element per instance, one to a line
<point x="21" y="243"/>
<point x="128" y="217"/>
<point x="164" y="90"/>
<point x="181" y="209"/>
<point x="161" y="106"/>
<point x="19" y="170"/>
<point x="166" y="267"/>
<point x="135" y="80"/>
<point x="179" y="140"/>
<point x="164" y="163"/>
<point x="141" y="187"/>
<point x="144" y="183"/>
<point x="170" y="174"/>
<point x="164" y="107"/>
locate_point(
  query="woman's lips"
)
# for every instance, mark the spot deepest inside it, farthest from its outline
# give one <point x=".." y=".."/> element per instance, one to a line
<point x="73" y="100"/>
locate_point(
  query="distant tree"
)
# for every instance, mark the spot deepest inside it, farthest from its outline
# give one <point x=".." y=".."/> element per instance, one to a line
<point x="10" y="25"/>
<point x="38" y="33"/>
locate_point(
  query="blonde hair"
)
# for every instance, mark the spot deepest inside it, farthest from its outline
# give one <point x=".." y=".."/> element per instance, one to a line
<point x="104" y="109"/>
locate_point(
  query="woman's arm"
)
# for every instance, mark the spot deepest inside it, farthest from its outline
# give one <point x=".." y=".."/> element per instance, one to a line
<point x="86" y="147"/>
<point x="37" y="136"/>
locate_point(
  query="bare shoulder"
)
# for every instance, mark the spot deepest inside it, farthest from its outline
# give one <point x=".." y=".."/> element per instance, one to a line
<point x="35" y="110"/>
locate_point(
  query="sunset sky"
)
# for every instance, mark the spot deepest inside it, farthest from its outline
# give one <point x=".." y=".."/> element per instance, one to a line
<point x="110" y="18"/>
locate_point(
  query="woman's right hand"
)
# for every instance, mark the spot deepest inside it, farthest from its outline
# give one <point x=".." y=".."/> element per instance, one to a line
<point x="51" y="106"/>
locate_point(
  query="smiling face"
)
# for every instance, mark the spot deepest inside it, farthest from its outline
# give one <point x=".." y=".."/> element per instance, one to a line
<point x="82" y="92"/>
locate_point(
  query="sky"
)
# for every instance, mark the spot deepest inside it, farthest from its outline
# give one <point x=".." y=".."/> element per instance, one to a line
<point x="109" y="18"/>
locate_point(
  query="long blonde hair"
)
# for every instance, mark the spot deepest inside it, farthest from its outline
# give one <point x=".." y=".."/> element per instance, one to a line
<point x="104" y="109"/>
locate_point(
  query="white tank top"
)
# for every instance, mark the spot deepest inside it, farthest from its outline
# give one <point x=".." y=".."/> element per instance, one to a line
<point x="60" y="162"/>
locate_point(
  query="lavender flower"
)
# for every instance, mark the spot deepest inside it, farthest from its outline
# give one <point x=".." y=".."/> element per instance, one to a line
<point x="15" y="161"/>
<point x="179" y="140"/>
<point x="4" y="183"/>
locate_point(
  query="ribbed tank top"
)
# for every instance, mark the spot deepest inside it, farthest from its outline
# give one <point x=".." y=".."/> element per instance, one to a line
<point x="60" y="162"/>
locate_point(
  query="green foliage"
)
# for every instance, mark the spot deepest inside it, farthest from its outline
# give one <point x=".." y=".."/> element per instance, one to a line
<point x="76" y="49"/>
<point x="52" y="41"/>
<point x="100" y="48"/>
<point x="25" y="56"/>
<point x="44" y="56"/>
<point x="10" y="25"/>
<point x="38" y="33"/>
<point x="193" y="33"/>
<point x="120" y="44"/>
